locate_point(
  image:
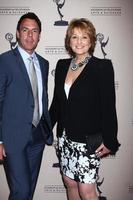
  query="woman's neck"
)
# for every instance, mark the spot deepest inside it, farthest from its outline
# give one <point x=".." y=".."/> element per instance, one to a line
<point x="80" y="58"/>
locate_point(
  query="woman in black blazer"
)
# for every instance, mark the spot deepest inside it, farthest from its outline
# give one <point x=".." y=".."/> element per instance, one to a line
<point x="83" y="106"/>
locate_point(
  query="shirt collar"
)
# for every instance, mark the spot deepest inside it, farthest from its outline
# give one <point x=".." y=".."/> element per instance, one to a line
<point x="26" y="55"/>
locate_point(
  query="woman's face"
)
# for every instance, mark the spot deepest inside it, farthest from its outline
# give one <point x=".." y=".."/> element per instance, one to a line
<point x="80" y="42"/>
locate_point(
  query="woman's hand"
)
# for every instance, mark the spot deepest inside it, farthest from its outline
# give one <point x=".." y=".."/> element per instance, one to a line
<point x="2" y="152"/>
<point x="102" y="151"/>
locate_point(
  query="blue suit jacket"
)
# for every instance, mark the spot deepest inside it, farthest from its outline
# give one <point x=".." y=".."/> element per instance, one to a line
<point x="17" y="103"/>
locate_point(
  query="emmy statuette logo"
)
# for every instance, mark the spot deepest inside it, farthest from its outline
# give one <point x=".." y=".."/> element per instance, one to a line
<point x="55" y="145"/>
<point x="100" y="38"/>
<point x="9" y="38"/>
<point x="98" y="184"/>
<point x="60" y="22"/>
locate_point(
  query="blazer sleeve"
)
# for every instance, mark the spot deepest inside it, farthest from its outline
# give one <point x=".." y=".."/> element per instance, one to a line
<point x="3" y="84"/>
<point x="108" y="107"/>
<point x="55" y="106"/>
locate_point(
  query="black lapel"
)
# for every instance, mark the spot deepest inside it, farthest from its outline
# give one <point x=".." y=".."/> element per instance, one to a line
<point x="65" y="68"/>
<point x="62" y="76"/>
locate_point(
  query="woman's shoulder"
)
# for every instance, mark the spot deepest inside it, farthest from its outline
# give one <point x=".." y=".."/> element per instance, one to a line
<point x="102" y="63"/>
<point x="100" y="60"/>
<point x="63" y="63"/>
<point x="65" y="60"/>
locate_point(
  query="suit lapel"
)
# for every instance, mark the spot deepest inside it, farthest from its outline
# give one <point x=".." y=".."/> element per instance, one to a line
<point x="63" y="75"/>
<point x="22" y="67"/>
<point x="64" y="72"/>
<point x="43" y="72"/>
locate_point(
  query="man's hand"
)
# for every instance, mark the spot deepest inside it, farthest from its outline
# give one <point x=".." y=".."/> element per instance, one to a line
<point x="102" y="151"/>
<point x="2" y="152"/>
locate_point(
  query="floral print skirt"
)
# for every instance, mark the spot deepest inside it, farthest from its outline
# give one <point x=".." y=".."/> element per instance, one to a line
<point x="75" y="163"/>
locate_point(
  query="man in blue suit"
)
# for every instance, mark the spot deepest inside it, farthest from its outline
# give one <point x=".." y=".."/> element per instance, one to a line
<point x="21" y="140"/>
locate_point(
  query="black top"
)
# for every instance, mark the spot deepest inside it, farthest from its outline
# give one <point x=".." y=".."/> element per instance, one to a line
<point x="90" y="107"/>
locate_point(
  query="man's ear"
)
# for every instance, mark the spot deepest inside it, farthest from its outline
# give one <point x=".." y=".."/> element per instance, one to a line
<point x="17" y="35"/>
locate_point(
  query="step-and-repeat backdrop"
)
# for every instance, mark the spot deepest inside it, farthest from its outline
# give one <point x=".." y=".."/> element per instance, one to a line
<point x="114" y="26"/>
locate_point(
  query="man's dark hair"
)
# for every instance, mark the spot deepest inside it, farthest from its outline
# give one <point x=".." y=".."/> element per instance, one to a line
<point x="29" y="15"/>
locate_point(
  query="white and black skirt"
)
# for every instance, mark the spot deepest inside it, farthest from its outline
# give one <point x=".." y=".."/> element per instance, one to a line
<point x="74" y="161"/>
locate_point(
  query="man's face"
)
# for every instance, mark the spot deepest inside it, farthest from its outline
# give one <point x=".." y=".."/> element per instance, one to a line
<point x="28" y="36"/>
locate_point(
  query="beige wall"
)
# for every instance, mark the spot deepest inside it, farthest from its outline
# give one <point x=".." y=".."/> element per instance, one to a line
<point x="112" y="18"/>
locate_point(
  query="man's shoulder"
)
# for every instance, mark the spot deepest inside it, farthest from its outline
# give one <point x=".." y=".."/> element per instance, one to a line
<point x="10" y="53"/>
<point x="42" y="58"/>
<point x="6" y="54"/>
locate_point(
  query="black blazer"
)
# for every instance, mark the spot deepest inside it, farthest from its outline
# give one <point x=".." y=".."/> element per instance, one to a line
<point x="90" y="107"/>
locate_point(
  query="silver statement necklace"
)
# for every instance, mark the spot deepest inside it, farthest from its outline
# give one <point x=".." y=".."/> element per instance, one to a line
<point x="74" y="66"/>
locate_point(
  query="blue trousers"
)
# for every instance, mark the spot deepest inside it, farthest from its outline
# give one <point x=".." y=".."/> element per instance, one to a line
<point x="22" y="168"/>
